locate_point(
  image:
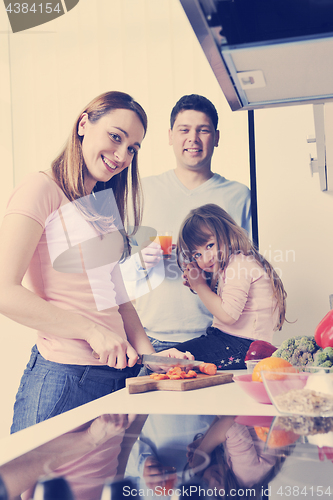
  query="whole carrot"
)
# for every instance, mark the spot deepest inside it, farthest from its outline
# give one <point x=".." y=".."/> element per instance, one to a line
<point x="208" y="368"/>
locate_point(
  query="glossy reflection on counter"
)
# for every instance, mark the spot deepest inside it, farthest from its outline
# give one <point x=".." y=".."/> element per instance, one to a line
<point x="181" y="456"/>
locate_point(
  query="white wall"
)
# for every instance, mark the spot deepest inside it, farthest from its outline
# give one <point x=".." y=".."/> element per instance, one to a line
<point x="147" y="48"/>
<point x="295" y="216"/>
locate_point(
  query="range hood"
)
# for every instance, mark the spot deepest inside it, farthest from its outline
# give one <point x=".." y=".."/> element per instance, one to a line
<point x="267" y="53"/>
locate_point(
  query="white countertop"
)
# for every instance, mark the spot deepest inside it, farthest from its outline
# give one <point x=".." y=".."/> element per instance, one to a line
<point x="226" y="399"/>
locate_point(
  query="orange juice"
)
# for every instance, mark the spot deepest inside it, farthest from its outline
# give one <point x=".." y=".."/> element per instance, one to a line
<point x="166" y="244"/>
<point x="168" y="482"/>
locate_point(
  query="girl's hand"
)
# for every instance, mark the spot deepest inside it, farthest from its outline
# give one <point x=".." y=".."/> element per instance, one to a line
<point x="111" y="349"/>
<point x="191" y="455"/>
<point x="197" y="459"/>
<point x="194" y="277"/>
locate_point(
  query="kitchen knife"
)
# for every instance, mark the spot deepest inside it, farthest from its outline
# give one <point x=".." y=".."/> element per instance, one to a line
<point x="163" y="361"/>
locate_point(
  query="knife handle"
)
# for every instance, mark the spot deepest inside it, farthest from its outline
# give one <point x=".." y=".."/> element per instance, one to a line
<point x="139" y="360"/>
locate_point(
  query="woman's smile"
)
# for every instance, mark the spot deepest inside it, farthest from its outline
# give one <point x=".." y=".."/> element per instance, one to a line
<point x="110" y="165"/>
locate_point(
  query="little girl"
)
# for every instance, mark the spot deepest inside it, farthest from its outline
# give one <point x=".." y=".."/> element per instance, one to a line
<point x="236" y="284"/>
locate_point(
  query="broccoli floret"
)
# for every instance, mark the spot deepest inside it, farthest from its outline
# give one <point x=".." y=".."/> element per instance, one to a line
<point x="329" y="352"/>
<point x="327" y="364"/>
<point x="306" y="359"/>
<point x="296" y="355"/>
<point x="291" y="343"/>
<point x="324" y="357"/>
<point x="301" y="358"/>
<point x="298" y="350"/>
<point x="283" y="353"/>
<point x="286" y="349"/>
<point x="307" y="344"/>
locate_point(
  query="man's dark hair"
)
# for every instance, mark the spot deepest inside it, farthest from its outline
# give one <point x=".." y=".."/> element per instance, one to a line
<point x="197" y="103"/>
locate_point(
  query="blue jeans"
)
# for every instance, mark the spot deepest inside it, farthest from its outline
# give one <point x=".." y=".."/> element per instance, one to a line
<point x="161" y="345"/>
<point x="48" y="389"/>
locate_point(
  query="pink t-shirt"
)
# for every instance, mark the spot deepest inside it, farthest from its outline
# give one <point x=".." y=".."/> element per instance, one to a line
<point x="247" y="296"/>
<point x="87" y="474"/>
<point x="245" y="455"/>
<point x="57" y="271"/>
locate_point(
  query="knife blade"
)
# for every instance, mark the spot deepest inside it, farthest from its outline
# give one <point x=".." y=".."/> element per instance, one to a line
<point x="152" y="359"/>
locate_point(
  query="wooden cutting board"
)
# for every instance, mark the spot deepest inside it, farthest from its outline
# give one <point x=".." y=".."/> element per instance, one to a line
<point x="144" y="384"/>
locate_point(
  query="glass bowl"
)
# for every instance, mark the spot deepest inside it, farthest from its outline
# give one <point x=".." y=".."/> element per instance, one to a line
<point x="308" y="393"/>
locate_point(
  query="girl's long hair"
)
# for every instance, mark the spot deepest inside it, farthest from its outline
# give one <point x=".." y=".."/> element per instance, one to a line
<point x="231" y="239"/>
<point x="69" y="167"/>
<point x="231" y="486"/>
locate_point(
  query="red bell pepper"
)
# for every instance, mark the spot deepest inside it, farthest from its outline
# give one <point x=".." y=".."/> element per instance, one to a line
<point x="324" y="331"/>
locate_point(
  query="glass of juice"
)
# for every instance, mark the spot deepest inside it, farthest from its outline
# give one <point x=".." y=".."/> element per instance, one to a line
<point x="165" y="240"/>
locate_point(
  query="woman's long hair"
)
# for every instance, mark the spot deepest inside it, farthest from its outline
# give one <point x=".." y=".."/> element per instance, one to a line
<point x="231" y="239"/>
<point x="69" y="167"/>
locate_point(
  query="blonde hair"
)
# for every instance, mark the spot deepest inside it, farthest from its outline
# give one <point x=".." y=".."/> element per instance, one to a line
<point x="231" y="239"/>
<point x="69" y="167"/>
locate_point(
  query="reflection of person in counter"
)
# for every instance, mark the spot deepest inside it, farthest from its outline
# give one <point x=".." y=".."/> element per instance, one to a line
<point x="238" y="459"/>
<point x="89" y="334"/>
<point x="168" y="198"/>
<point x="236" y="284"/>
<point x="85" y="458"/>
<point x="162" y="447"/>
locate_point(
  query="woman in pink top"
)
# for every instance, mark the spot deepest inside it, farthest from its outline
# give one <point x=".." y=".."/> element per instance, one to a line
<point x="65" y="231"/>
<point x="236" y="284"/>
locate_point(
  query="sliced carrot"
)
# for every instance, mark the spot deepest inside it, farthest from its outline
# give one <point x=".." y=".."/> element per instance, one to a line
<point x="175" y="373"/>
<point x="176" y="370"/>
<point x="161" y="376"/>
<point x="208" y="368"/>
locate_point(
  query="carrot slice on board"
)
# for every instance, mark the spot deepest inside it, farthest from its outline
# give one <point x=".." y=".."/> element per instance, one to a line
<point x="208" y="368"/>
<point x="176" y="370"/>
<point x="191" y="374"/>
<point x="161" y="376"/>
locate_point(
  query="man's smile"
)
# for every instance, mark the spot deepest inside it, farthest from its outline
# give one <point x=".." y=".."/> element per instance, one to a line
<point x="193" y="150"/>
